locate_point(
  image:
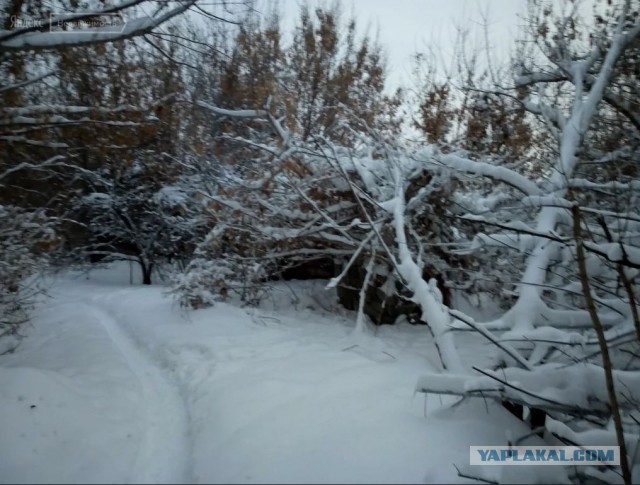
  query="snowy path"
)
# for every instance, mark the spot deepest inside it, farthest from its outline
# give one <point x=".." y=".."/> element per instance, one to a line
<point x="115" y="384"/>
<point x="83" y="402"/>
<point x="164" y="455"/>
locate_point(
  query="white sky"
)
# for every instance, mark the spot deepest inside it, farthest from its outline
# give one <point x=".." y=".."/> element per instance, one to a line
<point x="407" y="26"/>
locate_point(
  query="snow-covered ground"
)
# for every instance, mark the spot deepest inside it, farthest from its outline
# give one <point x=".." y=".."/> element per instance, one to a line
<point x="115" y="383"/>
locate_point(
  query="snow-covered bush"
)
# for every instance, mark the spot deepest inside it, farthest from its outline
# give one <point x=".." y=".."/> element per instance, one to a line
<point x="25" y="239"/>
<point x="203" y="283"/>
<point x="206" y="281"/>
<point x="316" y="201"/>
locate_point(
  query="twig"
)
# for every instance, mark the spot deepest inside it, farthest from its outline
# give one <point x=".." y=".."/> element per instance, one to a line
<point x="471" y="477"/>
<point x="606" y="360"/>
<point x="489" y="336"/>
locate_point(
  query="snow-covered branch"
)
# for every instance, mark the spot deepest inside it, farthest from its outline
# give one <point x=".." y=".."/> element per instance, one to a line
<point x="425" y="294"/>
<point x="29" y="38"/>
<point x="496" y="172"/>
<point x="232" y="113"/>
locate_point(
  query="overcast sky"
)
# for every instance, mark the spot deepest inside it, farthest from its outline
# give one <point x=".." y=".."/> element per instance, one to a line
<point x="407" y="26"/>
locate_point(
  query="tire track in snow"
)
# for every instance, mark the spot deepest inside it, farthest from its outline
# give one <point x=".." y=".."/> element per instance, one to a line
<point x="165" y="454"/>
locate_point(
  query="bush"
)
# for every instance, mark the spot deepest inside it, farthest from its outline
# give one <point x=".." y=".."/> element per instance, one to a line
<point x="206" y="281"/>
<point x="26" y="239"/>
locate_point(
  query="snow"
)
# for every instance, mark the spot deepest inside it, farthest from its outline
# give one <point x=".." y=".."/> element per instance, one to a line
<point x="579" y="386"/>
<point x="171" y="196"/>
<point x="613" y="185"/>
<point x="496" y="172"/>
<point x="616" y="252"/>
<point x="52" y="108"/>
<point x="236" y="113"/>
<point x="26" y="39"/>
<point x="433" y="311"/>
<point x="98" y="199"/>
<point x="115" y="383"/>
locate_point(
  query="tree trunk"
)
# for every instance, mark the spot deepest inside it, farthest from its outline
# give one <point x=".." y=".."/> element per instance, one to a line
<point x="147" y="269"/>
